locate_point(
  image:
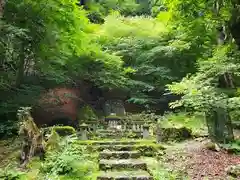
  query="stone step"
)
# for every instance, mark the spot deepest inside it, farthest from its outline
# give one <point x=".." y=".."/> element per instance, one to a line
<point x="124" y="175"/>
<point x="130" y="142"/>
<point x="106" y="130"/>
<point x="118" y="147"/>
<point x="119" y="154"/>
<point x="110" y="135"/>
<point x="116" y="142"/>
<point x="120" y="164"/>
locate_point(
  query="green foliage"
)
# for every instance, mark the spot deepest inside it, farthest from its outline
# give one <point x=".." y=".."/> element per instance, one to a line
<point x="86" y="113"/>
<point x="152" y="53"/>
<point x="201" y="90"/>
<point x="233" y="147"/>
<point x="160" y="172"/>
<point x="53" y="142"/>
<point x="8" y="128"/>
<point x="64" y="130"/>
<point x="11" y="174"/>
<point x="125" y="8"/>
<point x="45" y="44"/>
<point x="70" y="161"/>
<point x="194" y="122"/>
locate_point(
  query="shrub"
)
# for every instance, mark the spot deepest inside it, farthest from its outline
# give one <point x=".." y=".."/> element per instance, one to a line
<point x="194" y="122"/>
<point x="87" y="113"/>
<point x="71" y="161"/>
<point x="10" y="174"/>
<point x="64" y="130"/>
<point x="233" y="147"/>
<point x="53" y="141"/>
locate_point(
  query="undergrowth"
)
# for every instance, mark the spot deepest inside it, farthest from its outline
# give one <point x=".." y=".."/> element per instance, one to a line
<point x="160" y="172"/>
<point x="195" y="122"/>
<point x="69" y="162"/>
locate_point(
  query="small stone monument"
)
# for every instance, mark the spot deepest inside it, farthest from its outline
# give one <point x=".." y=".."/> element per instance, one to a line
<point x="145" y="133"/>
<point x="83" y="130"/>
<point x="158" y="134"/>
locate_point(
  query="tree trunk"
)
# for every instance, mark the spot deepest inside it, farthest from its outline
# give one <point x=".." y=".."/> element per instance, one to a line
<point x="219" y="126"/>
<point x="1" y="7"/>
<point x="20" y="70"/>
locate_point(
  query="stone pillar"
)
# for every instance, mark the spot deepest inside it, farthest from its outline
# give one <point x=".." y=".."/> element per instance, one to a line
<point x="84" y="131"/>
<point x="158" y="134"/>
<point x="94" y="127"/>
<point x="124" y="127"/>
<point x="145" y="133"/>
<point x="134" y="127"/>
<point x="138" y="127"/>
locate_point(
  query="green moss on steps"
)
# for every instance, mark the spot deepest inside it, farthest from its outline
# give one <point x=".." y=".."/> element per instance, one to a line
<point x="122" y="164"/>
<point x="126" y="175"/>
<point x="119" y="154"/>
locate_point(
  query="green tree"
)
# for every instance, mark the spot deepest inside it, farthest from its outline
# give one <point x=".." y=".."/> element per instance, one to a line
<point x="217" y="68"/>
<point x="47" y="43"/>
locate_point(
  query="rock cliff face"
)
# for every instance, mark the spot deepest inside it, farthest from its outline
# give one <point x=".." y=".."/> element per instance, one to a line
<point x="57" y="106"/>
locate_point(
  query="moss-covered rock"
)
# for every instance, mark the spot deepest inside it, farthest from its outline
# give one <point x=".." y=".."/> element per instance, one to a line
<point x="174" y="134"/>
<point x="149" y="150"/>
<point x="64" y="130"/>
<point x="113" y="117"/>
<point x="234" y="171"/>
<point x="212" y="146"/>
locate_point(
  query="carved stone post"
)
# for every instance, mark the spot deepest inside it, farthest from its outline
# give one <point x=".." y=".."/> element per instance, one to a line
<point x="158" y="134"/>
<point x="146" y="133"/>
<point x="83" y="130"/>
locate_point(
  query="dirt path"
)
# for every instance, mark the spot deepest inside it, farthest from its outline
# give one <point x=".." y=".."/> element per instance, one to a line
<point x="198" y="162"/>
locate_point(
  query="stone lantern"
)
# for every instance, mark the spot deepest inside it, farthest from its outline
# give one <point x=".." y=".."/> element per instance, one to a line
<point x="83" y="131"/>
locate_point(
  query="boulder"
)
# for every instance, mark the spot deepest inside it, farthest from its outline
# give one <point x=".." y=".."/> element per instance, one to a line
<point x="174" y="134"/>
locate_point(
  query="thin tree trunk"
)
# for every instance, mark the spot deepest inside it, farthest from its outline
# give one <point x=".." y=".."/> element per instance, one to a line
<point x="2" y="2"/>
<point x="20" y="70"/>
<point x="219" y="126"/>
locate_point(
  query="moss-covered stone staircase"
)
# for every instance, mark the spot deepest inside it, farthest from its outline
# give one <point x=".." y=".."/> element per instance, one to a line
<point x="120" y="160"/>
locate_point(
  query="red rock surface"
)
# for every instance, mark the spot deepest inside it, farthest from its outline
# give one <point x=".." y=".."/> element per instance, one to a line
<point x="57" y="103"/>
